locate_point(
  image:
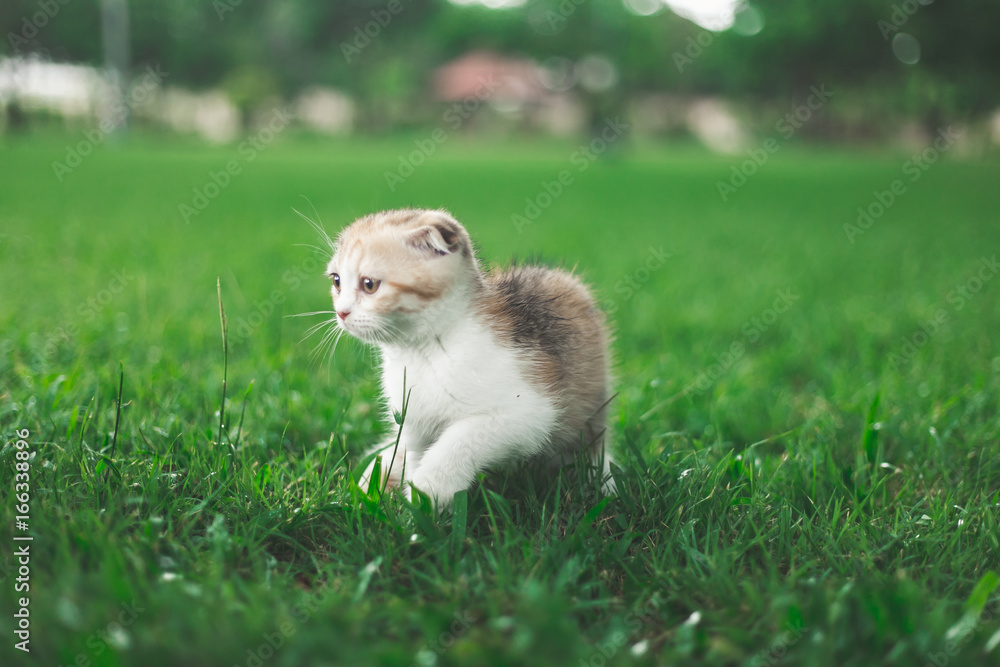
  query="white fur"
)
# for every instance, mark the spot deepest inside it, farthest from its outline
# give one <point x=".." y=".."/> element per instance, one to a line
<point x="470" y="407"/>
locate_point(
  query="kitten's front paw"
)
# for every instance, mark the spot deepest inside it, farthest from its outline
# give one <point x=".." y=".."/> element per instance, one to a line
<point x="391" y="480"/>
<point x="441" y="490"/>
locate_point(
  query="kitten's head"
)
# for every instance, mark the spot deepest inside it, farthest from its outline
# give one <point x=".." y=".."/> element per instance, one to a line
<point x="397" y="275"/>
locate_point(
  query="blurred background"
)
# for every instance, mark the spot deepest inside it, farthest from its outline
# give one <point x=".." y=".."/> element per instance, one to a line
<point x="807" y="350"/>
<point x="718" y="72"/>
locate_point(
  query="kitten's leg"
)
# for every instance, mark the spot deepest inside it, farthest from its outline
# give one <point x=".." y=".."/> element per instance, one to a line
<point x="602" y="457"/>
<point x="594" y="439"/>
<point x="472" y="445"/>
<point x="598" y="439"/>
<point x="392" y="468"/>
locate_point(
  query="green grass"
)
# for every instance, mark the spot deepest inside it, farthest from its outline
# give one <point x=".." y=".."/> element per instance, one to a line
<point x="819" y="496"/>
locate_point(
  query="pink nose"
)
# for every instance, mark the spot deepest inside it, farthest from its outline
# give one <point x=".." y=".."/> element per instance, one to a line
<point x="342" y="314"/>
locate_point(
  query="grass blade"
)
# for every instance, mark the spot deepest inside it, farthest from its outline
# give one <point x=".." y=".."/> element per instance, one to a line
<point x="460" y="512"/>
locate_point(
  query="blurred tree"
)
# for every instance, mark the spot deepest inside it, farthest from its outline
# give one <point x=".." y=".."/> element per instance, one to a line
<point x="248" y="87"/>
<point x="383" y="51"/>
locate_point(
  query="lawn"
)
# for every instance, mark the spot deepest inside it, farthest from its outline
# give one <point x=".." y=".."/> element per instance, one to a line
<point x="806" y="426"/>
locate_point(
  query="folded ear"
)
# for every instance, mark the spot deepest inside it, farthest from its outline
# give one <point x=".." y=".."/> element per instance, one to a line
<point x="440" y="237"/>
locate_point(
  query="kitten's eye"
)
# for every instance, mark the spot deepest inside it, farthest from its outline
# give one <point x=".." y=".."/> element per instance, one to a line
<point x="336" y="280"/>
<point x="369" y="285"/>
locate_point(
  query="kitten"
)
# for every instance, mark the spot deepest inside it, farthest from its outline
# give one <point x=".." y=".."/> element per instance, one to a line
<point x="498" y="366"/>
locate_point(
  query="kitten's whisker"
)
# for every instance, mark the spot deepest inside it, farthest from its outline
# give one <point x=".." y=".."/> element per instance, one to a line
<point x="319" y="352"/>
<point x="319" y="327"/>
<point x="335" y="341"/>
<point x="387" y="331"/>
<point x="320" y="324"/>
<point x="325" y="253"/>
<point x="316" y="312"/>
<point x="328" y="337"/>
<point x="315" y="225"/>
<point x="379" y="334"/>
<point x="314" y="328"/>
<point x="338" y="334"/>
<point x="319" y="355"/>
<point x="319" y="220"/>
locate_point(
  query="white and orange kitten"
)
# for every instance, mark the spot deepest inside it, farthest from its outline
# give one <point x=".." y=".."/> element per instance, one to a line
<point x="499" y="366"/>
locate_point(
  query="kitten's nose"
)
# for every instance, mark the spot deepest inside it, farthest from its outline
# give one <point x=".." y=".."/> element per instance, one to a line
<point x="342" y="314"/>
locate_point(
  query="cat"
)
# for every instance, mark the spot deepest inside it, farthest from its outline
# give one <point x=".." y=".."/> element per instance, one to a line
<point x="499" y="366"/>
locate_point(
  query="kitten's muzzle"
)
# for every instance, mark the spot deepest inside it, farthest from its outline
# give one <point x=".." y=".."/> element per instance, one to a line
<point x="342" y="314"/>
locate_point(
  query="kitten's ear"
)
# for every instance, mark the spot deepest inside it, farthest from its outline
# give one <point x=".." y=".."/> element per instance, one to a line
<point x="440" y="237"/>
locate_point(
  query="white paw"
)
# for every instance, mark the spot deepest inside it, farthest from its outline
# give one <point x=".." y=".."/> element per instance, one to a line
<point x="441" y="490"/>
<point x="389" y="478"/>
